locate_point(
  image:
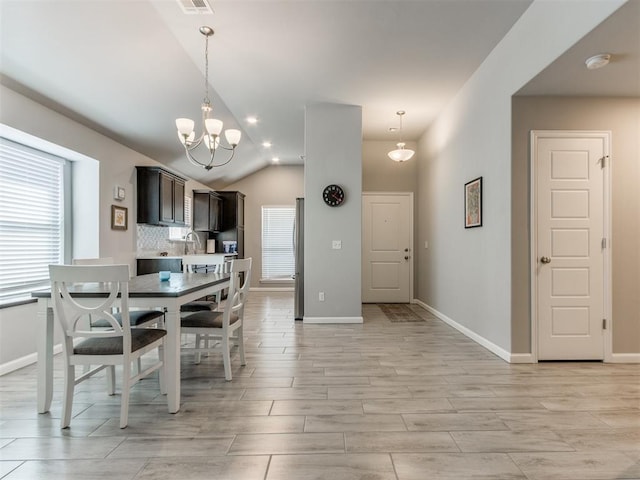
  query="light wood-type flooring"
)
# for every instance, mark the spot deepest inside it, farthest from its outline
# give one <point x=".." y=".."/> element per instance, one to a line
<point x="378" y="401"/>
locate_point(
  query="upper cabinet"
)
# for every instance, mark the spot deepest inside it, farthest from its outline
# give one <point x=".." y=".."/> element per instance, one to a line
<point x="207" y="211"/>
<point x="232" y="210"/>
<point x="160" y="197"/>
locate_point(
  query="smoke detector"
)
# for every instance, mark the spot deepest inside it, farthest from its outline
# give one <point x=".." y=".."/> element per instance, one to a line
<point x="597" y="61"/>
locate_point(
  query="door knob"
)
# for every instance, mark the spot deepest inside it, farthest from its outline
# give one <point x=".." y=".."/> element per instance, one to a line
<point x="545" y="260"/>
<point x="406" y="257"/>
<point x="406" y="249"/>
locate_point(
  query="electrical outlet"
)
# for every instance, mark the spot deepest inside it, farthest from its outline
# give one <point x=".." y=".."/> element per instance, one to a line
<point x="337" y="244"/>
<point x="321" y="296"/>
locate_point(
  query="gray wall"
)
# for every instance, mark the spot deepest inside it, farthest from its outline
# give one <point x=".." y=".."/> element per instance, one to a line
<point x="92" y="203"/>
<point x="274" y="185"/>
<point x="622" y="117"/>
<point x="333" y="154"/>
<point x="466" y="273"/>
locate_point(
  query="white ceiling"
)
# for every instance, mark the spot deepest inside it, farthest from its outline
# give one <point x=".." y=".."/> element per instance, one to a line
<point x="129" y="68"/>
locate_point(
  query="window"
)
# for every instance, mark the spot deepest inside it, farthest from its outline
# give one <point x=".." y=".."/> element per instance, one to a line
<point x="178" y="233"/>
<point x="32" y="212"/>
<point x="278" y="262"/>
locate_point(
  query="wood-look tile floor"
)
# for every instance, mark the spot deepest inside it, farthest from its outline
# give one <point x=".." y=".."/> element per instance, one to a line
<point x="378" y="401"/>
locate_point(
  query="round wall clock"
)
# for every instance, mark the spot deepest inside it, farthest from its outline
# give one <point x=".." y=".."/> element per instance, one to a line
<point x="333" y="195"/>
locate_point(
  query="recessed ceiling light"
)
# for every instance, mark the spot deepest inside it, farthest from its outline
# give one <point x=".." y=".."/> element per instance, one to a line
<point x="252" y="120"/>
<point x="275" y="159"/>
<point x="597" y="61"/>
<point x="266" y="144"/>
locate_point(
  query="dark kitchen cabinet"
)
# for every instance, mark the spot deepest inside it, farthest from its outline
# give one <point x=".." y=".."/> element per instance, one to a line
<point x="160" y="197"/>
<point x="232" y="226"/>
<point x="207" y="211"/>
<point x="232" y="209"/>
<point x="155" y="265"/>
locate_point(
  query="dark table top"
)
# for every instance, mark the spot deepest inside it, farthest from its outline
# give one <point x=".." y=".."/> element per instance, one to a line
<point x="150" y="285"/>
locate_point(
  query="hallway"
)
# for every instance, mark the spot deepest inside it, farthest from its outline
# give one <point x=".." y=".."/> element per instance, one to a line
<point x="385" y="400"/>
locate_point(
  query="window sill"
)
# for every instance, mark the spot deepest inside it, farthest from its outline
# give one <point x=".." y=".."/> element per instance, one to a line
<point x="276" y="281"/>
<point x="17" y="303"/>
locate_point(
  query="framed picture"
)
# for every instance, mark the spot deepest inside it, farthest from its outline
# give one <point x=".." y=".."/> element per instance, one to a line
<point x="473" y="203"/>
<point x="119" y="218"/>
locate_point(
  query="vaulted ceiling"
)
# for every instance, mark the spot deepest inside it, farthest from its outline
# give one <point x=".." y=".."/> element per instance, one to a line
<point x="128" y="68"/>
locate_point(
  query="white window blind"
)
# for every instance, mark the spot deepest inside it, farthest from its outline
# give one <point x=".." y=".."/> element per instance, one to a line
<point x="31" y="219"/>
<point x="278" y="260"/>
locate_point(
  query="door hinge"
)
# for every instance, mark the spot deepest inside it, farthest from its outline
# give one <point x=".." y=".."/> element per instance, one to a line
<point x="604" y="323"/>
<point x="603" y="243"/>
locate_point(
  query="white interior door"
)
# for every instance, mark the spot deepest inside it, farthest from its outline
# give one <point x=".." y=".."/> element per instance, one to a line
<point x="387" y="232"/>
<point x="569" y="244"/>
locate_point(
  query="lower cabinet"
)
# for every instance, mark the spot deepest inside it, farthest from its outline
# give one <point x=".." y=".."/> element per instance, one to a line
<point x="155" y="265"/>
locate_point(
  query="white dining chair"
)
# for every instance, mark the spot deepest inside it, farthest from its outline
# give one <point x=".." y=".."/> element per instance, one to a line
<point x="104" y="348"/>
<point x="137" y="317"/>
<point x="216" y="264"/>
<point x="226" y="326"/>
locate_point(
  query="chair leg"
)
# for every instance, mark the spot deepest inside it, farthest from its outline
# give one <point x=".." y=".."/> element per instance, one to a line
<point x="197" y="355"/>
<point x="111" y="380"/>
<point x="67" y="402"/>
<point x="126" y="387"/>
<point x="226" y="356"/>
<point x="240" y="341"/>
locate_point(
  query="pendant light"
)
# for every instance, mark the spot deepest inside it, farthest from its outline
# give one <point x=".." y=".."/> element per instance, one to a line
<point x="400" y="154"/>
<point x="211" y="127"/>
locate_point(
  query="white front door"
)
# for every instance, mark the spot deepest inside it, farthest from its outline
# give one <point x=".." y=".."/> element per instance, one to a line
<point x="387" y="232"/>
<point x="569" y="243"/>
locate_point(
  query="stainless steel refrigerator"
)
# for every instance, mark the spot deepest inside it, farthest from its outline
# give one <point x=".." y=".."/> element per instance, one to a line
<point x="298" y="248"/>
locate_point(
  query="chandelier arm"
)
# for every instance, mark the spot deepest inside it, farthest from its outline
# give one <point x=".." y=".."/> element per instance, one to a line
<point x="194" y="144"/>
<point x="196" y="162"/>
<point x="233" y="152"/>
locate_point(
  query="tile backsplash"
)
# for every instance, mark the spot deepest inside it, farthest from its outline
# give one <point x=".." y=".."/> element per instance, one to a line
<point x="153" y="240"/>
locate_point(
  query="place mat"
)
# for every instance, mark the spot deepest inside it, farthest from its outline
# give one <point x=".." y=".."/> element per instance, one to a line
<point x="399" y="312"/>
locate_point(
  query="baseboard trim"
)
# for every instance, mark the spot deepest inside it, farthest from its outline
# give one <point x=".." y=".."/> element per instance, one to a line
<point x="25" y="361"/>
<point x="492" y="347"/>
<point x="624" y="358"/>
<point x="521" y="358"/>
<point x="345" y="320"/>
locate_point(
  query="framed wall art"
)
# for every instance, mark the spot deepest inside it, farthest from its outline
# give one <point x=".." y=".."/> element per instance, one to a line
<point x="473" y="203"/>
<point x="119" y="217"/>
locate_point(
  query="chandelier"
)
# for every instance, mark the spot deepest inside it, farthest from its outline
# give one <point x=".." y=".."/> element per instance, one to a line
<point x="400" y="154"/>
<point x="212" y="127"/>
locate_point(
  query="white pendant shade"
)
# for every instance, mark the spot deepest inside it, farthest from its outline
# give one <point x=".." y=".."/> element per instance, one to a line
<point x="213" y="126"/>
<point x="209" y="143"/>
<point x="233" y="136"/>
<point x="185" y="126"/>
<point x="401" y="154"/>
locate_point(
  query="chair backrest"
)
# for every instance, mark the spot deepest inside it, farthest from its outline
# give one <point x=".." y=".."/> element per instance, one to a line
<point x="68" y="309"/>
<point x="238" y="292"/>
<point x="93" y="261"/>
<point x="218" y="262"/>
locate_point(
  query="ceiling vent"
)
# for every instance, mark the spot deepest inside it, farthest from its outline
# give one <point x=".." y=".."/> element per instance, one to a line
<point x="195" y="7"/>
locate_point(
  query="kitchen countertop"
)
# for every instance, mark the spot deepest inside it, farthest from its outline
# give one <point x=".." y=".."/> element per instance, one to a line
<point x="179" y="257"/>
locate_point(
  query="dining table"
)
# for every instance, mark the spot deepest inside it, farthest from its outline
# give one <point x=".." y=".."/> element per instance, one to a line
<point x="145" y="291"/>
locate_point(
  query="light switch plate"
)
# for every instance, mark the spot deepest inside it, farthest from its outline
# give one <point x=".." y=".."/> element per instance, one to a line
<point x="118" y="192"/>
<point x="337" y="244"/>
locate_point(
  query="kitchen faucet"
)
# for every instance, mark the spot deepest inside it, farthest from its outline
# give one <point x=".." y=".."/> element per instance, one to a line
<point x="186" y="243"/>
